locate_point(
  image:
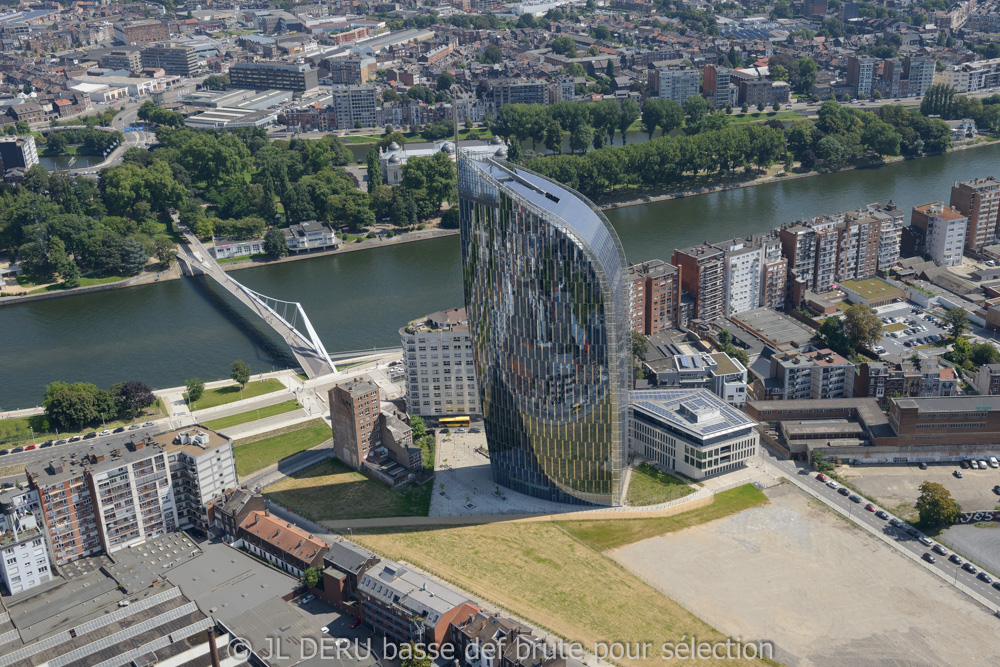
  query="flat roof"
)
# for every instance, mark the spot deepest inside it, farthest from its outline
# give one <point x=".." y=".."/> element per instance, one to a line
<point x="773" y="326"/>
<point x="696" y="411"/>
<point x="872" y="288"/>
<point x="951" y="403"/>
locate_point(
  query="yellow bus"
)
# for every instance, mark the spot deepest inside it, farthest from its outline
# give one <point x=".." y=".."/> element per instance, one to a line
<point x="452" y="422"/>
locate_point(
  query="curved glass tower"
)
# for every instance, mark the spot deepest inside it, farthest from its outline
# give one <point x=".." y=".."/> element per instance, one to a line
<point x="545" y="295"/>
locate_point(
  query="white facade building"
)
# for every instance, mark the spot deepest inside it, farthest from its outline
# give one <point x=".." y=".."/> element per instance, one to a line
<point x="394" y="157"/>
<point x="691" y="431"/>
<point x="311" y="235"/>
<point x="679" y="84"/>
<point x="224" y="248"/>
<point x="440" y="375"/>
<point x="24" y="554"/>
<point x="945" y="230"/>
<point x="202" y="466"/>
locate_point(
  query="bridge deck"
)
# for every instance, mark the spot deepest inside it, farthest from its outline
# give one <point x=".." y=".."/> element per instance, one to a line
<point x="197" y="258"/>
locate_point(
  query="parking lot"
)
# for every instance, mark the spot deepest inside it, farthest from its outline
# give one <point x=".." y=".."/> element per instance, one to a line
<point x="824" y="591"/>
<point x="906" y="329"/>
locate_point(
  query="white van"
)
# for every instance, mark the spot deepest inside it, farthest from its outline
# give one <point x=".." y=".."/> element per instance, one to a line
<point x="993" y="462"/>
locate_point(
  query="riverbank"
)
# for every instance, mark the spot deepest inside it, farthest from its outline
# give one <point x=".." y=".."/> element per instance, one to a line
<point x="764" y="180"/>
<point x="174" y="272"/>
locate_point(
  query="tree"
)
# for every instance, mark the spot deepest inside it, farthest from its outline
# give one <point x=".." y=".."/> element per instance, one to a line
<point x="638" y="346"/>
<point x="195" y="388"/>
<point x="581" y="137"/>
<point x="275" y="243"/>
<point x="312" y="577"/>
<point x="807" y="74"/>
<point x="881" y="138"/>
<point x="414" y="655"/>
<point x="936" y="506"/>
<point x="957" y="322"/>
<point x="745" y="108"/>
<point x="820" y="463"/>
<point x="779" y="73"/>
<point x="133" y="257"/>
<point x="564" y="46"/>
<point x="609" y="71"/>
<point x="445" y="81"/>
<point x="374" y="169"/>
<point x="553" y="136"/>
<point x="132" y="397"/>
<point x="240" y="372"/>
<point x="418" y="426"/>
<point x="71" y="409"/>
<point x="492" y="54"/>
<point x="861" y="325"/>
<point x="216" y="81"/>
<point x="760" y="107"/>
<point x="165" y="250"/>
<point x="628" y="115"/>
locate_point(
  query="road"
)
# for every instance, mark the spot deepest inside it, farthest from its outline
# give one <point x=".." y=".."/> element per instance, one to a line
<point x="898" y="537"/>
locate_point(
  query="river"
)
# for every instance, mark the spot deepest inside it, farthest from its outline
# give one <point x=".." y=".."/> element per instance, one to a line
<point x="165" y="333"/>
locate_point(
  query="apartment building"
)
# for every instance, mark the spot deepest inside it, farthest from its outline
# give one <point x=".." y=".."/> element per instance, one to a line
<point x="691" y="431"/>
<point x="676" y="84"/>
<point x="811" y="250"/>
<point x="172" y="58"/>
<point x="973" y="76"/>
<point x="17" y="153"/>
<point x="943" y="229"/>
<point x="273" y="75"/>
<point x="909" y="378"/>
<point x="406" y="606"/>
<point x="514" y="91"/>
<point x="355" y="106"/>
<point x="350" y="71"/>
<point x="24" y="553"/>
<point x="437" y="357"/>
<point x="717" y="86"/>
<point x="122" y="59"/>
<point x="754" y="87"/>
<point x="141" y="32"/>
<point x="820" y="374"/>
<point x="128" y="489"/>
<point x="702" y="270"/>
<point x="754" y="274"/>
<point x="280" y="543"/>
<point x="861" y="75"/>
<point x="227" y="511"/>
<point x="988" y="379"/>
<point x="202" y="467"/>
<point x="654" y="296"/>
<point x="979" y="201"/>
<point x="918" y="73"/>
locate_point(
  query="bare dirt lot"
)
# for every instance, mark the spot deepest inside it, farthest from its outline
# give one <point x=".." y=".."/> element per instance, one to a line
<point x="892" y="485"/>
<point x="824" y="591"/>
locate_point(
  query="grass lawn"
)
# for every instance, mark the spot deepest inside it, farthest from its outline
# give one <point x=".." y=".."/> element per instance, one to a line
<point x="897" y="326"/>
<point x="758" y="117"/>
<point x="258" y="455"/>
<point x="85" y="281"/>
<point x="544" y="573"/>
<point x="242" y="258"/>
<point x="650" y="486"/>
<point x="253" y="415"/>
<point x="330" y="491"/>
<point x="17" y="430"/>
<point x="603" y="535"/>
<point x="230" y="393"/>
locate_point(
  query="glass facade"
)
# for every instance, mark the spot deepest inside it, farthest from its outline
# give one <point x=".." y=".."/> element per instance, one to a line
<point x="545" y="296"/>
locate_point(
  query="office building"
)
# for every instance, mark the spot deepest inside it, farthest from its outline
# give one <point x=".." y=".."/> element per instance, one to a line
<point x="755" y="87"/>
<point x="18" y="153"/>
<point x="861" y="75"/>
<point x="440" y="371"/>
<point x="277" y="75"/>
<point x="943" y="229"/>
<point x="702" y="269"/>
<point x="717" y="372"/>
<point x="350" y="71"/>
<point x="979" y="201"/>
<point x="691" y="431"/>
<point x="24" y="553"/>
<point x="514" y="91"/>
<point x="141" y="32"/>
<point x="545" y="293"/>
<point x="654" y="297"/>
<point x="122" y="59"/>
<point x="675" y="84"/>
<point x="173" y="58"/>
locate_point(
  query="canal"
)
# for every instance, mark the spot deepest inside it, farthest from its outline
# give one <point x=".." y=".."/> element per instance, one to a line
<point x="167" y="332"/>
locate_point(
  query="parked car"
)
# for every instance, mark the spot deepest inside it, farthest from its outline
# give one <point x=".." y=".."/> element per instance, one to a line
<point x="993" y="462"/>
<point x="938" y="549"/>
<point x="821" y="477"/>
<point x="47" y="443"/>
<point x="844" y="491"/>
<point x="134" y="427"/>
<point x="958" y="474"/>
<point x="31" y="446"/>
<point x="120" y="429"/>
<point x="16" y="450"/>
<point x="985" y="577"/>
<point x="105" y="432"/>
<point x="996" y="585"/>
<point x="929" y="558"/>
<point x="832" y="484"/>
<point x="955" y="559"/>
<point x="963" y="464"/>
<point x="355" y="623"/>
<point x="922" y="465"/>
<point x="895" y="523"/>
<point x="970" y="568"/>
<point x="307" y="599"/>
<point x="148" y="424"/>
<point x="60" y="442"/>
<point x="882" y="515"/>
<point x="996" y="489"/>
<point x="855" y="498"/>
<point x="75" y="438"/>
<point x="924" y="541"/>
<point x="4" y="451"/>
<point x="974" y="464"/>
<point x="982" y="465"/>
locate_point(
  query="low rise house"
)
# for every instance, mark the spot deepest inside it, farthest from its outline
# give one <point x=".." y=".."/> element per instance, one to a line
<point x="280" y="543"/>
<point x="311" y="235"/>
